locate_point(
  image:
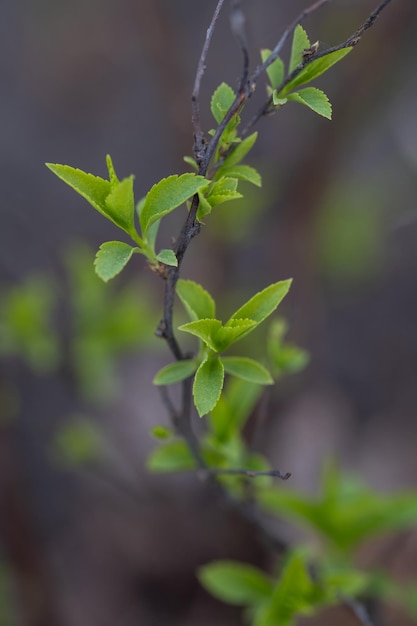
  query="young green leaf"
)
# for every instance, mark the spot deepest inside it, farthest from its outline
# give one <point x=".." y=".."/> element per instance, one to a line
<point x="247" y="369"/>
<point x="208" y="385"/>
<point x="191" y="161"/>
<point x="93" y="188"/>
<point x="112" y="173"/>
<point x="223" y="190"/>
<point x="120" y="205"/>
<point x="112" y="258"/>
<point x="204" y="329"/>
<point x="262" y="304"/>
<point x="314" y="69"/>
<point x="313" y="98"/>
<point x="276" y="71"/>
<point x="171" y="457"/>
<point x="241" y="150"/>
<point x="293" y="595"/>
<point x="242" y="172"/>
<point x="168" y="257"/>
<point x="300" y="43"/>
<point x="221" y="101"/>
<point x="167" y="195"/>
<point x="162" y="432"/>
<point x="232" y="332"/>
<point x="277" y="101"/>
<point x="175" y="372"/>
<point x="235" y="583"/>
<point x="197" y="301"/>
<point x="204" y="207"/>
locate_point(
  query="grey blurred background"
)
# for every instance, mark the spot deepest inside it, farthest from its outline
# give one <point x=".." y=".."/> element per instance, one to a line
<point x="95" y="545"/>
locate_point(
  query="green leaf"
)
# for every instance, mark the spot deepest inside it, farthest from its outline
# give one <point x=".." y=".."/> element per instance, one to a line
<point x="276" y="71"/>
<point x="300" y="43"/>
<point x="247" y="369"/>
<point x="204" y="207"/>
<point x="112" y="173"/>
<point x="223" y="190"/>
<point x="221" y="101"/>
<point x="277" y="101"/>
<point x="197" y="301"/>
<point x="120" y="205"/>
<point x="168" y="257"/>
<point x="192" y="162"/>
<point x="241" y="150"/>
<point x="204" y="329"/>
<point x="234" y="407"/>
<point x="112" y="258"/>
<point x="93" y="188"/>
<point x="208" y="385"/>
<point x="161" y="432"/>
<point x="175" y="372"/>
<point x="232" y="332"/>
<point x="242" y="172"/>
<point x="78" y="442"/>
<point x="314" y="69"/>
<point x="235" y="583"/>
<point x="315" y="99"/>
<point x="167" y="195"/>
<point x="262" y="304"/>
<point x="171" y="457"/>
<point x="292" y="596"/>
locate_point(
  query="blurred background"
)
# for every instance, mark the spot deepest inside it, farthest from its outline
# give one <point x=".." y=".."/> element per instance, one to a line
<point x="94" y="544"/>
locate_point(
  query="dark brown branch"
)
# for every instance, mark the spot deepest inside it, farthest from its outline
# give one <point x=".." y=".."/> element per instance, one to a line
<point x="198" y="133"/>
<point x="248" y="473"/>
<point x="358" y="610"/>
<point x="237" y="26"/>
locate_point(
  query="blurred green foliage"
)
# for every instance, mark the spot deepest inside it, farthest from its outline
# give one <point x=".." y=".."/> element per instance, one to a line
<point x="102" y="324"/>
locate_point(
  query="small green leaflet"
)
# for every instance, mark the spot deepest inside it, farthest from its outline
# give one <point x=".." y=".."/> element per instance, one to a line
<point x="112" y="173"/>
<point x="192" y="162"/>
<point x="231" y="332"/>
<point x="208" y="385"/>
<point x="221" y="101"/>
<point x="93" y="188"/>
<point x="175" y="372"/>
<point x="247" y="369"/>
<point x="171" y="457"/>
<point x="112" y="258"/>
<point x="276" y="71"/>
<point x="315" y="99"/>
<point x="120" y="204"/>
<point x="235" y="583"/>
<point x="161" y="432"/>
<point x="293" y="595"/>
<point x="216" y="336"/>
<point x="240" y="150"/>
<point x="168" y="194"/>
<point x="242" y="172"/>
<point x="168" y="257"/>
<point x="262" y="304"/>
<point x="300" y="43"/>
<point x="314" y="69"/>
<point x="197" y="301"/>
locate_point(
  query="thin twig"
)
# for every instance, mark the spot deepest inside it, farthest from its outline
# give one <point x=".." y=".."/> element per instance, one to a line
<point x="358" y="610"/>
<point x="237" y="26"/>
<point x="198" y="133"/>
<point x="249" y="473"/>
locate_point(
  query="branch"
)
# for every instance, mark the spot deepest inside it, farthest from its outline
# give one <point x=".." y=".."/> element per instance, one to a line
<point x="358" y="610"/>
<point x="248" y="473"/>
<point x="237" y="26"/>
<point x="198" y="133"/>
